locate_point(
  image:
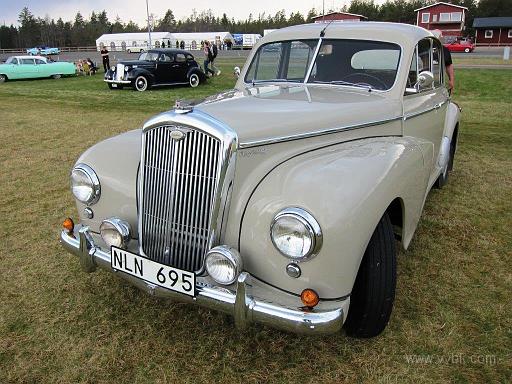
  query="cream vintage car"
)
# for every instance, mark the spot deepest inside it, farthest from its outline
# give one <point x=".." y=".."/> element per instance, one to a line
<point x="279" y="202"/>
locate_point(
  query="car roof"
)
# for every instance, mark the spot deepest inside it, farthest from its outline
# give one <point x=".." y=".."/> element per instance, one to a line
<point x="30" y="57"/>
<point x="405" y="35"/>
<point x="169" y="50"/>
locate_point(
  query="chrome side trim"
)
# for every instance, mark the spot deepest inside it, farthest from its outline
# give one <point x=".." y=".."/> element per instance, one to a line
<point x="249" y="300"/>
<point x="198" y="120"/>
<point x="307" y="135"/>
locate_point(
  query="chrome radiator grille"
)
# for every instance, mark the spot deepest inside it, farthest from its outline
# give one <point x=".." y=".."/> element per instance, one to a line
<point x="179" y="179"/>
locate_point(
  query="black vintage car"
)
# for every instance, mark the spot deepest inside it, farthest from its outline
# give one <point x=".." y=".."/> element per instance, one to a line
<point x="156" y="67"/>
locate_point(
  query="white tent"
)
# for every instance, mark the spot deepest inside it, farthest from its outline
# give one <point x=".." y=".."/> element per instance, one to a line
<point x="125" y="41"/>
<point x="192" y="40"/>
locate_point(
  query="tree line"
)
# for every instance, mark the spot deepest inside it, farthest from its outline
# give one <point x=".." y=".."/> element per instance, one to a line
<point x="33" y="30"/>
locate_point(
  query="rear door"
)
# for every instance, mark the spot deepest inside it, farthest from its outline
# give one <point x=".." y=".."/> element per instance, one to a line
<point x="180" y="68"/>
<point x="425" y="108"/>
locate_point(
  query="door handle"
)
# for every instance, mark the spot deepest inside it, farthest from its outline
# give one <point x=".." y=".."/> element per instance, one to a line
<point x="437" y="106"/>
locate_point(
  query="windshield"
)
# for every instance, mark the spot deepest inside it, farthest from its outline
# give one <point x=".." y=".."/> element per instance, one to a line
<point x="364" y="63"/>
<point x="149" y="56"/>
<point x="282" y="61"/>
<point x="360" y="63"/>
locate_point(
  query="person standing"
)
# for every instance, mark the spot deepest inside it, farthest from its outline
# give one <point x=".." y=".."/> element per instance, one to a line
<point x="208" y="57"/>
<point x="214" y="51"/>
<point x="105" y="58"/>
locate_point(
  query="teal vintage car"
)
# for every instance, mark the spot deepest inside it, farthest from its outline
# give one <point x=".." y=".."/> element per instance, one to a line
<point x="32" y="67"/>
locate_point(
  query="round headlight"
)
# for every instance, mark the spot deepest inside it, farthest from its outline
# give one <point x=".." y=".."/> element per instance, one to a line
<point x="223" y="264"/>
<point x="85" y="184"/>
<point x="113" y="68"/>
<point x="115" y="232"/>
<point x="126" y="69"/>
<point x="296" y="234"/>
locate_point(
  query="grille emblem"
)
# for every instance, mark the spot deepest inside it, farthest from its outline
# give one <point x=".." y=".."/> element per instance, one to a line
<point x="176" y="133"/>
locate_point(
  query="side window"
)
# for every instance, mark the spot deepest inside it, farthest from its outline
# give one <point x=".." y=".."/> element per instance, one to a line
<point x="266" y="64"/>
<point x="424" y="63"/>
<point x="180" y="58"/>
<point x="165" y="57"/>
<point x="39" y="61"/>
<point x="437" y="63"/>
<point x="300" y="58"/>
<point x="27" y="61"/>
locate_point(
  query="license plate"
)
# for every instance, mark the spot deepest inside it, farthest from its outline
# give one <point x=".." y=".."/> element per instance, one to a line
<point x="159" y="274"/>
<point x="114" y="85"/>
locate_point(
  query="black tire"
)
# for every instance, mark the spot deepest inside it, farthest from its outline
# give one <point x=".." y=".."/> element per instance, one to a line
<point x="371" y="301"/>
<point x="141" y="83"/>
<point x="194" y="80"/>
<point x="3" y="78"/>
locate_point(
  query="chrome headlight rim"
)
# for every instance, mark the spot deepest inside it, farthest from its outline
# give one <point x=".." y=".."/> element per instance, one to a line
<point x="95" y="183"/>
<point x="312" y="227"/>
<point x="232" y="256"/>
<point x="119" y="225"/>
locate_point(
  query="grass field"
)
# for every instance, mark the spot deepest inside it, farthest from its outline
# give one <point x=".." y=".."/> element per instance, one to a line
<point x="451" y="321"/>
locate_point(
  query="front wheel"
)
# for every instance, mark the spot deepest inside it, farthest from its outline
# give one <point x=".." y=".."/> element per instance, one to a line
<point x="466" y="50"/>
<point x="3" y="78"/>
<point x="141" y="84"/>
<point x="373" y="294"/>
<point x="194" y="80"/>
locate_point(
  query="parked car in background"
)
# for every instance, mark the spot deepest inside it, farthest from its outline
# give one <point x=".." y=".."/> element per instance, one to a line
<point x="278" y="202"/>
<point x="32" y="67"/>
<point x="156" y="68"/>
<point x="136" y="49"/>
<point x="460" y="46"/>
<point x="43" y="50"/>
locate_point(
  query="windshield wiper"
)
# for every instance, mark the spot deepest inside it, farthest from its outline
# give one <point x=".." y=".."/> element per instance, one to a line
<point x="342" y="82"/>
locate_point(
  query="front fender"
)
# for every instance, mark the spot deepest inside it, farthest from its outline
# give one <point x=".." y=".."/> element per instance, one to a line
<point x="116" y="162"/>
<point x="135" y="72"/>
<point x="347" y="187"/>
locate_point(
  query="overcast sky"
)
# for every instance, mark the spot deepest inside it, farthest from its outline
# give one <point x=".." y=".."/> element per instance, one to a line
<point x="136" y="9"/>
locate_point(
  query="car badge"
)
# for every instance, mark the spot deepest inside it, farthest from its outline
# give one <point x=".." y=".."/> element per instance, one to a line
<point x="176" y="133"/>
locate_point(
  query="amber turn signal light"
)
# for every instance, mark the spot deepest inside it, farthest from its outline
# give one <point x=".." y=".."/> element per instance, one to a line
<point x="309" y="298"/>
<point x="68" y="225"/>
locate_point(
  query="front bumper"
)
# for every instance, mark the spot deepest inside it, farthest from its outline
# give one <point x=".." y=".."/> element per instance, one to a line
<point x="117" y="81"/>
<point x="249" y="300"/>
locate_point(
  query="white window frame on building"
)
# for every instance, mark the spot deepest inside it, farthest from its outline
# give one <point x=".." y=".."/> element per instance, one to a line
<point x="434" y="18"/>
<point x="456" y="16"/>
<point x="488" y="33"/>
<point x="510" y="33"/>
<point x="427" y="18"/>
<point x="447" y="16"/>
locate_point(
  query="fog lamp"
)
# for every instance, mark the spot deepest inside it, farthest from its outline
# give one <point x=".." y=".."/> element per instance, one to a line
<point x="115" y="232"/>
<point x="223" y="264"/>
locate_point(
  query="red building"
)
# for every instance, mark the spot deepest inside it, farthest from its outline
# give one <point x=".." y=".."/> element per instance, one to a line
<point x="493" y="31"/>
<point x="446" y="17"/>
<point x="338" y="17"/>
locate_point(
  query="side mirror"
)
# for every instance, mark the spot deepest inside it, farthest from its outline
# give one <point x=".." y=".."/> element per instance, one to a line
<point x="425" y="80"/>
<point x="237" y="72"/>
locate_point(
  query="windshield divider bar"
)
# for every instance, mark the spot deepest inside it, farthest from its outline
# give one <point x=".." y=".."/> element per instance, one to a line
<point x="313" y="60"/>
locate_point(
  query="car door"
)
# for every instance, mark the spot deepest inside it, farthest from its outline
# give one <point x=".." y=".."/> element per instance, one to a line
<point x="164" y="68"/>
<point x="180" y="68"/>
<point x="425" y="107"/>
<point x="42" y="69"/>
<point x="27" y="68"/>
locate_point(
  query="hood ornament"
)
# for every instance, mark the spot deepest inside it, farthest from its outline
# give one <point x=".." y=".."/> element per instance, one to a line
<point x="181" y="106"/>
<point x="177" y="133"/>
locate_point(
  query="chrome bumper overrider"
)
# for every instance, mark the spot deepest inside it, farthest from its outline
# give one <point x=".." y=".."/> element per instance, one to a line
<point x="248" y="300"/>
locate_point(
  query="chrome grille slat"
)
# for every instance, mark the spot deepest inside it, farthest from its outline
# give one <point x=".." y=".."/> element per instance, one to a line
<point x="178" y="182"/>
